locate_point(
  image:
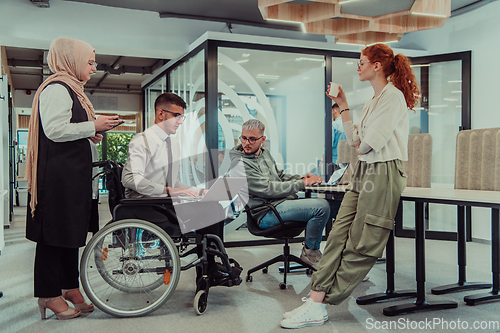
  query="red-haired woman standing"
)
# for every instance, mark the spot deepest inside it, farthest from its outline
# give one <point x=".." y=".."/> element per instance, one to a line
<point x="366" y="216"/>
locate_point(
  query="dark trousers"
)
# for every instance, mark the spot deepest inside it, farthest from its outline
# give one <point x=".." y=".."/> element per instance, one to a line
<point x="56" y="268"/>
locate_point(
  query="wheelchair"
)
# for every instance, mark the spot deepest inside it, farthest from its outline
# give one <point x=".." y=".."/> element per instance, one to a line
<point x="131" y="266"/>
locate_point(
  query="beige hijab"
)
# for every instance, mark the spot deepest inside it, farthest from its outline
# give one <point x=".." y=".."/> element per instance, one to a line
<point x="68" y="59"/>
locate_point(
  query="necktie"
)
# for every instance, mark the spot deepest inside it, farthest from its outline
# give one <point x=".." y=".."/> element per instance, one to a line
<point x="170" y="164"/>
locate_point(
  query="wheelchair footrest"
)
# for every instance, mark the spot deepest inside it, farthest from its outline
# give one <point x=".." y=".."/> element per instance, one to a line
<point x="220" y="276"/>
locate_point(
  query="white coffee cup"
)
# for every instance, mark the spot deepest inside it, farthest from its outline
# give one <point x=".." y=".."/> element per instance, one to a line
<point x="334" y="89"/>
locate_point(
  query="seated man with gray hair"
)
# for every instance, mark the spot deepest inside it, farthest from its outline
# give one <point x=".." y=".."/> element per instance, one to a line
<point x="267" y="184"/>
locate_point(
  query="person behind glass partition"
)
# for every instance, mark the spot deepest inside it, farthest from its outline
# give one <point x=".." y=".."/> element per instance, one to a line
<point x="337" y="130"/>
<point x="267" y="184"/>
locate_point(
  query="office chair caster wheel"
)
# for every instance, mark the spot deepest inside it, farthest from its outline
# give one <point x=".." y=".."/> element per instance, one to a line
<point x="309" y="272"/>
<point x="265" y="270"/>
<point x="282" y="286"/>
<point x="200" y="302"/>
<point x="249" y="278"/>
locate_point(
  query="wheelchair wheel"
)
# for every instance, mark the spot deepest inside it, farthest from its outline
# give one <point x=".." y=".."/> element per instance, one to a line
<point x="130" y="268"/>
<point x="114" y="278"/>
<point x="200" y="302"/>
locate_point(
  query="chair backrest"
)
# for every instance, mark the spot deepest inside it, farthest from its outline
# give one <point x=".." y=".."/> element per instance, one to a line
<point x="113" y="178"/>
<point x="418" y="166"/>
<point x="289" y="230"/>
<point x="477" y="160"/>
<point x="346" y="154"/>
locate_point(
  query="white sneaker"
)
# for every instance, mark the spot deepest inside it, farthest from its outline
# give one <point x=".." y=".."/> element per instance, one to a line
<point x="289" y="314"/>
<point x="312" y="257"/>
<point x="308" y="314"/>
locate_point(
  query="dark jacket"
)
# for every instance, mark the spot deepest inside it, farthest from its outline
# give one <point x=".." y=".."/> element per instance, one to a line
<point x="266" y="183"/>
<point x="64" y="185"/>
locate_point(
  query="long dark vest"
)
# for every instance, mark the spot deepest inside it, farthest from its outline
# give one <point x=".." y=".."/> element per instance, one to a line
<point x="64" y="180"/>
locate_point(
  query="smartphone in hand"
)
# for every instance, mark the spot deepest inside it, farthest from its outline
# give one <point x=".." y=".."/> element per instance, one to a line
<point x="121" y="122"/>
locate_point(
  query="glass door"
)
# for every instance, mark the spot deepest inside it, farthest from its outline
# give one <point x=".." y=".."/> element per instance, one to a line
<point x="443" y="112"/>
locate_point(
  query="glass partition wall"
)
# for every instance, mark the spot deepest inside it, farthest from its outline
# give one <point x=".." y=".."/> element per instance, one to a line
<point x="443" y="112"/>
<point x="227" y="83"/>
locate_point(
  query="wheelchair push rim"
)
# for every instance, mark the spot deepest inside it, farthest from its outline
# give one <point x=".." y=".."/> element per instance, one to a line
<point x="130" y="268"/>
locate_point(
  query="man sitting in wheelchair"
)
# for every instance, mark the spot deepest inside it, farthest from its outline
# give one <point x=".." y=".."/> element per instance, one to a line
<point x="152" y="170"/>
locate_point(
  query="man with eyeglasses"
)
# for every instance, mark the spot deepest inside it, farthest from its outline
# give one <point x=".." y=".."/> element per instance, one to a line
<point x="149" y="170"/>
<point x="267" y="184"/>
<point x="152" y="170"/>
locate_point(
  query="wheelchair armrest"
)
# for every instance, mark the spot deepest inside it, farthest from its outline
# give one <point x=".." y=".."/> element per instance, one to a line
<point x="273" y="209"/>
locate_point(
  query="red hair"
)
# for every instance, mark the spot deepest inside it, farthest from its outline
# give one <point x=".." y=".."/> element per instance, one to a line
<point x="399" y="70"/>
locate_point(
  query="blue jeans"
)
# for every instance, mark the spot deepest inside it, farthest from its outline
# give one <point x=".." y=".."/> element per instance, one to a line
<point x="315" y="212"/>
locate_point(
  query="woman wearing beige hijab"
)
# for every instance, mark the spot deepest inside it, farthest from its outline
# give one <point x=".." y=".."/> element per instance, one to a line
<point x="62" y="130"/>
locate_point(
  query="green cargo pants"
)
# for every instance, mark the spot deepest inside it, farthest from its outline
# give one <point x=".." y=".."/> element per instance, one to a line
<point x="361" y="229"/>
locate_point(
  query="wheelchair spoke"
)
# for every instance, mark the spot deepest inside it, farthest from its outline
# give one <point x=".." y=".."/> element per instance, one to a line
<point x="124" y="265"/>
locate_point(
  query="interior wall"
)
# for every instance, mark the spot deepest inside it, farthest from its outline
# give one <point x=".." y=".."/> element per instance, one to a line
<point x="109" y="102"/>
<point x="473" y="31"/>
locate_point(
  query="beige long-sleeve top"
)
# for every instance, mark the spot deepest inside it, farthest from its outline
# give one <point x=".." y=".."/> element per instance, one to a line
<point x="384" y="126"/>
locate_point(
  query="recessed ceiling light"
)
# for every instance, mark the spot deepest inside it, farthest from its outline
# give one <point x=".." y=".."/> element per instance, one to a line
<point x="245" y="55"/>
<point x="429" y="14"/>
<point x="309" y="59"/>
<point x="231" y="86"/>
<point x="242" y="61"/>
<point x="302" y="26"/>
<point x="342" y="43"/>
<point x="388" y="42"/>
<point x="268" y="77"/>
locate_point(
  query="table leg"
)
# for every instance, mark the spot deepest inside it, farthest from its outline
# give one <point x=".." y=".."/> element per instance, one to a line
<point x="462" y="283"/>
<point x="420" y="304"/>
<point x="390" y="269"/>
<point x="495" y="264"/>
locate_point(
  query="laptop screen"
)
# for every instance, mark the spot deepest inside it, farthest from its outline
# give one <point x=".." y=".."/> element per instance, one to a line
<point x="337" y="175"/>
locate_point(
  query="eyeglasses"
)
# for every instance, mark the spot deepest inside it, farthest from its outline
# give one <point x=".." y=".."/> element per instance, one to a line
<point x="93" y="64"/>
<point x="177" y="115"/>
<point x="361" y="64"/>
<point x="250" y="140"/>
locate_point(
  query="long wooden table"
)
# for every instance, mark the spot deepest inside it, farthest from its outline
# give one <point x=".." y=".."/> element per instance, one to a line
<point x="489" y="199"/>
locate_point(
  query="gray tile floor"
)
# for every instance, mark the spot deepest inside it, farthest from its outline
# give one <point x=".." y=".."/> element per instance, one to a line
<point x="257" y="306"/>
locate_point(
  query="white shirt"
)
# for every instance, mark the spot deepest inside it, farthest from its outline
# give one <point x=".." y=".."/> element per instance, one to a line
<point x="145" y="172"/>
<point x="55" y="115"/>
<point x="384" y="126"/>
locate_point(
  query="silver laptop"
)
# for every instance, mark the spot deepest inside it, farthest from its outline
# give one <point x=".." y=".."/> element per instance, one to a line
<point x="223" y="189"/>
<point x="336" y="175"/>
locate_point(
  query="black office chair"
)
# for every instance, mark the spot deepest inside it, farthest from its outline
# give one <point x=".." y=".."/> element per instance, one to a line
<point x="283" y="231"/>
